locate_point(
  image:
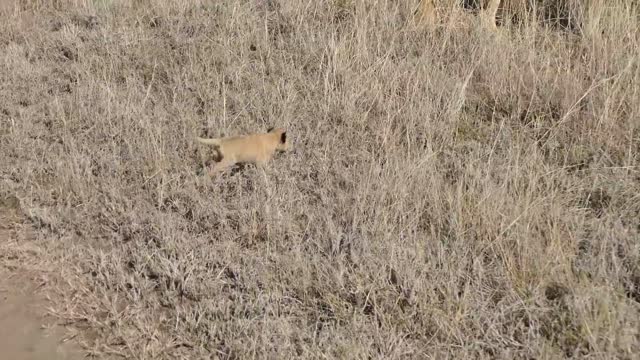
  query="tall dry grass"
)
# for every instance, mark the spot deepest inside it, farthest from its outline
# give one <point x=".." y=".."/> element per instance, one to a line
<point x="452" y="194"/>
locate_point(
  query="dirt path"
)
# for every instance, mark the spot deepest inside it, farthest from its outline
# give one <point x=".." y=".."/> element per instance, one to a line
<point x="24" y="333"/>
<point x="22" y="322"/>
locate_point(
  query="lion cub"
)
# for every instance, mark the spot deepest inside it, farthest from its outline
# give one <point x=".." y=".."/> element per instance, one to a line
<point x="256" y="148"/>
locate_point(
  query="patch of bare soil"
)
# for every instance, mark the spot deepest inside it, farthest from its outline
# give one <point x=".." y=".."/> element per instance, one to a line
<point x="25" y="330"/>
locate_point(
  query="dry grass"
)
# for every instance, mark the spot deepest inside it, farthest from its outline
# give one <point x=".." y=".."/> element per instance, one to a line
<point x="451" y="195"/>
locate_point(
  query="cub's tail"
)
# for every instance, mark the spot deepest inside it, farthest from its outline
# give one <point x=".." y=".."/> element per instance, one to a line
<point x="208" y="141"/>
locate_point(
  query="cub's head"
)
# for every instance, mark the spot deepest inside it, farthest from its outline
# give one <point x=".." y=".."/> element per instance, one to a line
<point x="280" y="135"/>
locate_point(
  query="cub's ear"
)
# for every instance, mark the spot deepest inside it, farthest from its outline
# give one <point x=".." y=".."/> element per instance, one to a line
<point x="270" y="129"/>
<point x="283" y="137"/>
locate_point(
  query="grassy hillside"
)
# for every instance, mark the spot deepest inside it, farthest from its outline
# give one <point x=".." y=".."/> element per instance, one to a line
<point x="451" y="194"/>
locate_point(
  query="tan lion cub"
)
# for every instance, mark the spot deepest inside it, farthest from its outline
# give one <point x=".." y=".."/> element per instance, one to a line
<point x="256" y="148"/>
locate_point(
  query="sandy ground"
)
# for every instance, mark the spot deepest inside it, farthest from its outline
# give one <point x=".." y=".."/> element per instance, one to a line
<point x="25" y="330"/>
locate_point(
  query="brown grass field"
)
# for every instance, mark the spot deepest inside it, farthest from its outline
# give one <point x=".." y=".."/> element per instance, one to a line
<point x="453" y="193"/>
